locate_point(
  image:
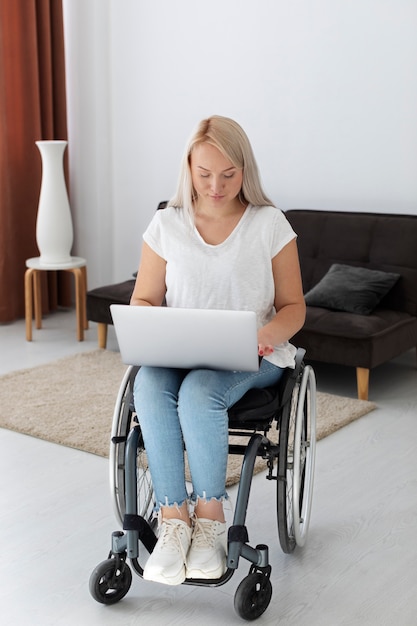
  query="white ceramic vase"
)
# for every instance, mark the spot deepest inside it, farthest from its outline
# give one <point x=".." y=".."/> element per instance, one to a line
<point x="54" y="232"/>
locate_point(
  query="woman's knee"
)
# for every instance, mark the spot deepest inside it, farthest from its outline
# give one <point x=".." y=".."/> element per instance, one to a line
<point x="156" y="386"/>
<point x="200" y="388"/>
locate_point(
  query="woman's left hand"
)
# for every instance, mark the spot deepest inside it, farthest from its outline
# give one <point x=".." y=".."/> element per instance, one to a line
<point x="265" y="350"/>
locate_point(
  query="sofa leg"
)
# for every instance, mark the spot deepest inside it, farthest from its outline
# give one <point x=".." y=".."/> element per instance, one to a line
<point x="102" y="335"/>
<point x="362" y="379"/>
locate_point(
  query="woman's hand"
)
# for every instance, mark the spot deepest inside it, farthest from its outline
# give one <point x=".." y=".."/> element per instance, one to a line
<point x="265" y="350"/>
<point x="265" y="342"/>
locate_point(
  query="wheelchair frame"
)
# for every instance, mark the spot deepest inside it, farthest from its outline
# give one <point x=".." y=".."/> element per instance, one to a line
<point x="291" y="407"/>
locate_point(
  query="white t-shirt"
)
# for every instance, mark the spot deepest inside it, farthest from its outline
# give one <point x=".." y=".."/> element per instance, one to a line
<point x="235" y="274"/>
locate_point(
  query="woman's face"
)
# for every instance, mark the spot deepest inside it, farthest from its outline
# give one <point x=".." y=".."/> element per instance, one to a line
<point x="215" y="179"/>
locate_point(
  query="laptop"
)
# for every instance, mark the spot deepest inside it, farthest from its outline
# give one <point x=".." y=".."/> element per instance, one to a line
<point x="186" y="338"/>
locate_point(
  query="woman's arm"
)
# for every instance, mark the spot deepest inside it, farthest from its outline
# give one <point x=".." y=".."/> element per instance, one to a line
<point x="150" y="286"/>
<point x="289" y="300"/>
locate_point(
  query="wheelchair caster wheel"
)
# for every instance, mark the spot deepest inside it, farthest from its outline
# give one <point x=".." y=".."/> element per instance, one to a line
<point x="253" y="596"/>
<point x="110" y="581"/>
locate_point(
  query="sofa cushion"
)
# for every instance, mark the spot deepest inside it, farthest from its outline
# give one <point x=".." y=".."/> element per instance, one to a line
<point x="356" y="340"/>
<point x="351" y="289"/>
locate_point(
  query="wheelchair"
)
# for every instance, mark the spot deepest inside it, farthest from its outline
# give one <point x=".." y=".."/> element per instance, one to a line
<point x="280" y="422"/>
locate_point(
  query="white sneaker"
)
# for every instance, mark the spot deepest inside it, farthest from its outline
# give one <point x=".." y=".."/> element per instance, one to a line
<point x="166" y="564"/>
<point x="207" y="555"/>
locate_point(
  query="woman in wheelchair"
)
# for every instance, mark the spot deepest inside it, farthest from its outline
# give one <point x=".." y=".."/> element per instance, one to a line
<point x="219" y="244"/>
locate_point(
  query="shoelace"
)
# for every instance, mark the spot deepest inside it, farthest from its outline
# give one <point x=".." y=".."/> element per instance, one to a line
<point x="204" y="535"/>
<point x="172" y="531"/>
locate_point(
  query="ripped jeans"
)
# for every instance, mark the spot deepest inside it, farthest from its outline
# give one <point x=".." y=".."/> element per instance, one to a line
<point x="177" y="407"/>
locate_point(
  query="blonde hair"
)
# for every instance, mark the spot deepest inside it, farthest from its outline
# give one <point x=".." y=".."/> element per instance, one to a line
<point x="227" y="136"/>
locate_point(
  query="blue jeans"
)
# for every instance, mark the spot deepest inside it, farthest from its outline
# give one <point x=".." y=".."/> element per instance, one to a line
<point x="177" y="407"/>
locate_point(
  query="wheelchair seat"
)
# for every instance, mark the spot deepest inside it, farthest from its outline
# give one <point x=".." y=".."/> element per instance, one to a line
<point x="258" y="407"/>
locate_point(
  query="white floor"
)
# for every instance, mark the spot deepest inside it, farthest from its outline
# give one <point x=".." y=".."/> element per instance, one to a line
<point x="359" y="564"/>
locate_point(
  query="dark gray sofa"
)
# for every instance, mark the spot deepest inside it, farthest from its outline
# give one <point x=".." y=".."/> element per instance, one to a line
<point x="376" y="241"/>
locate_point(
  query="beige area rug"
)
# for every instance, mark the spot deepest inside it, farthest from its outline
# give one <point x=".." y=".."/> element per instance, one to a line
<point x="71" y="402"/>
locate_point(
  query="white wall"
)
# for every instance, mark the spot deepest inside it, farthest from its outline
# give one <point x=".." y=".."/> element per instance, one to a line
<point x="325" y="89"/>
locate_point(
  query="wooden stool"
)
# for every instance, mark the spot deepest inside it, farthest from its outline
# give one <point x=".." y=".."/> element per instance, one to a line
<point x="78" y="267"/>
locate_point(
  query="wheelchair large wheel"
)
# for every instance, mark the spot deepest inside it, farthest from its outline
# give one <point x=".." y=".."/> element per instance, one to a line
<point x="297" y="446"/>
<point x="123" y="420"/>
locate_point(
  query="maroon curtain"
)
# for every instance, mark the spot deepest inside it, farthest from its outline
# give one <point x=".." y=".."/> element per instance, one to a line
<point x="32" y="107"/>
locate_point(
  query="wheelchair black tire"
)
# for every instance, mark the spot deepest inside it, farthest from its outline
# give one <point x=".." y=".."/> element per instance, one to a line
<point x="110" y="581"/>
<point x="297" y="439"/>
<point x="253" y="596"/>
